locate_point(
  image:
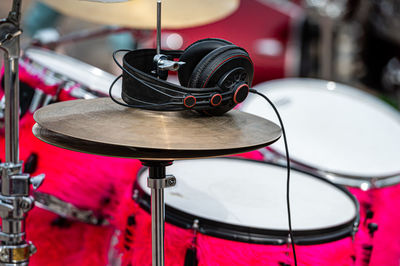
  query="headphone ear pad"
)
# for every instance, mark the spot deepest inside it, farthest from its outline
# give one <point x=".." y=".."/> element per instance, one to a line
<point x="194" y="53"/>
<point x="213" y="67"/>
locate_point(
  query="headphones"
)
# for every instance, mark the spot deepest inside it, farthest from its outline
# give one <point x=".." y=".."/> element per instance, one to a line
<point x="214" y="78"/>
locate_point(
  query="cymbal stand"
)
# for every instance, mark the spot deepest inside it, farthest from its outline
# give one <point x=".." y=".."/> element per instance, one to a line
<point x="14" y="193"/>
<point x="157" y="181"/>
<point x="162" y="61"/>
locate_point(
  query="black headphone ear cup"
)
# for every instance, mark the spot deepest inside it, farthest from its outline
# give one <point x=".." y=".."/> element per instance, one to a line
<point x="194" y="53"/>
<point x="213" y="67"/>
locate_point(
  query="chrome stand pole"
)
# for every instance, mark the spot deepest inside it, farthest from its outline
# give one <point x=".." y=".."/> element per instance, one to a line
<point x="157" y="181"/>
<point x="158" y="27"/>
<point x="9" y="43"/>
<point x="14" y="193"/>
<point x="162" y="62"/>
<point x="157" y="225"/>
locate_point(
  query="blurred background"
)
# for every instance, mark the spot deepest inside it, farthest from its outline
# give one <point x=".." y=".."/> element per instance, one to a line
<point x="47" y="24"/>
<point x="350" y="41"/>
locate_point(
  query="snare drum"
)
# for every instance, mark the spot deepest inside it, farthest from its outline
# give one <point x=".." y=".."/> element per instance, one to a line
<point x="75" y="223"/>
<point x="347" y="136"/>
<point x="231" y="211"/>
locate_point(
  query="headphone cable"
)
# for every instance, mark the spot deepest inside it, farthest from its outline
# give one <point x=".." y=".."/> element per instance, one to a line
<point x="288" y="170"/>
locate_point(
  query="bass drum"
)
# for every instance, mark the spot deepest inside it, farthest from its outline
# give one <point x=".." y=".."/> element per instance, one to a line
<point x="75" y="216"/>
<point x="350" y="138"/>
<point x="231" y="211"/>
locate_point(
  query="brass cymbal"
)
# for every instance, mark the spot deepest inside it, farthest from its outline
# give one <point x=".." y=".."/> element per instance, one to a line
<point x="100" y="126"/>
<point x="141" y="14"/>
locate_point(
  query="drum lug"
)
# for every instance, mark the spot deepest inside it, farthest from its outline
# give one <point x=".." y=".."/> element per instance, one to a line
<point x="37" y="181"/>
<point x="355" y="230"/>
<point x="372" y="227"/>
<point x="135" y="195"/>
<point x="168" y="181"/>
<point x="289" y="241"/>
<point x="41" y="99"/>
<point x="374" y="182"/>
<point x="195" y="225"/>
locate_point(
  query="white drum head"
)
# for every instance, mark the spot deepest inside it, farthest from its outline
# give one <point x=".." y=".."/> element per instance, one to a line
<point x="333" y="127"/>
<point x="91" y="77"/>
<point x="253" y="194"/>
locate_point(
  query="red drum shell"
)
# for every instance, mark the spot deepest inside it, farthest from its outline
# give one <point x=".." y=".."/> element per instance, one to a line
<point x="382" y="202"/>
<point x="89" y="182"/>
<point x="136" y="248"/>
<point x="135" y="243"/>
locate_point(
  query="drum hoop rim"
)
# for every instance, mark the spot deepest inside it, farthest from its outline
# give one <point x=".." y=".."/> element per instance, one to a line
<point x="254" y="235"/>
<point x="378" y="181"/>
<point x="341" y="89"/>
<point x="340" y="178"/>
<point x="62" y="76"/>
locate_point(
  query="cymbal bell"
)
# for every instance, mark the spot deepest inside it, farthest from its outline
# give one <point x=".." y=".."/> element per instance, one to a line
<point x="141" y="14"/>
<point x="102" y="127"/>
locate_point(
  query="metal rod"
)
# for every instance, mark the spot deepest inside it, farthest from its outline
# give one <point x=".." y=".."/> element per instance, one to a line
<point x="80" y="36"/>
<point x="15" y="14"/>
<point x="11" y="117"/>
<point x="158" y="27"/>
<point x="326" y="48"/>
<point x="157" y="171"/>
<point x="10" y="44"/>
<point x="157" y="226"/>
<point x="157" y="181"/>
<point x="14" y="192"/>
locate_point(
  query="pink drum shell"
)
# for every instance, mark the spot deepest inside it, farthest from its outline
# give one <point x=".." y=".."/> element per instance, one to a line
<point x="135" y="245"/>
<point x="136" y="248"/>
<point x="89" y="182"/>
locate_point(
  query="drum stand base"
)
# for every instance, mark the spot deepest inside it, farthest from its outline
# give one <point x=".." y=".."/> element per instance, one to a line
<point x="157" y="181"/>
<point x="15" y="186"/>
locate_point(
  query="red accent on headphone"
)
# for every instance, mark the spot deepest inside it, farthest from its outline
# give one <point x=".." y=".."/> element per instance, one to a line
<point x="237" y="91"/>
<point x="205" y="83"/>
<point x="216" y="97"/>
<point x="189" y="101"/>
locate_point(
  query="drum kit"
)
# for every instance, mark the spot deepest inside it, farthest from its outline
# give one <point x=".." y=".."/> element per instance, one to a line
<point x="214" y="211"/>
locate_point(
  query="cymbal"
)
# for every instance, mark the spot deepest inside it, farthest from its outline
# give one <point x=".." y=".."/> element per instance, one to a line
<point x="100" y="126"/>
<point x="141" y="14"/>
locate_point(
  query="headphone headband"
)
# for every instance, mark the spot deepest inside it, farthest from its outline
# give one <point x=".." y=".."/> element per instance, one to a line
<point x="140" y="63"/>
<point x="153" y="91"/>
<point x="224" y="83"/>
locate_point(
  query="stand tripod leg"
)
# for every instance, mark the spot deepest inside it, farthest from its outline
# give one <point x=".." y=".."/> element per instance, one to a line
<point x="157" y="181"/>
